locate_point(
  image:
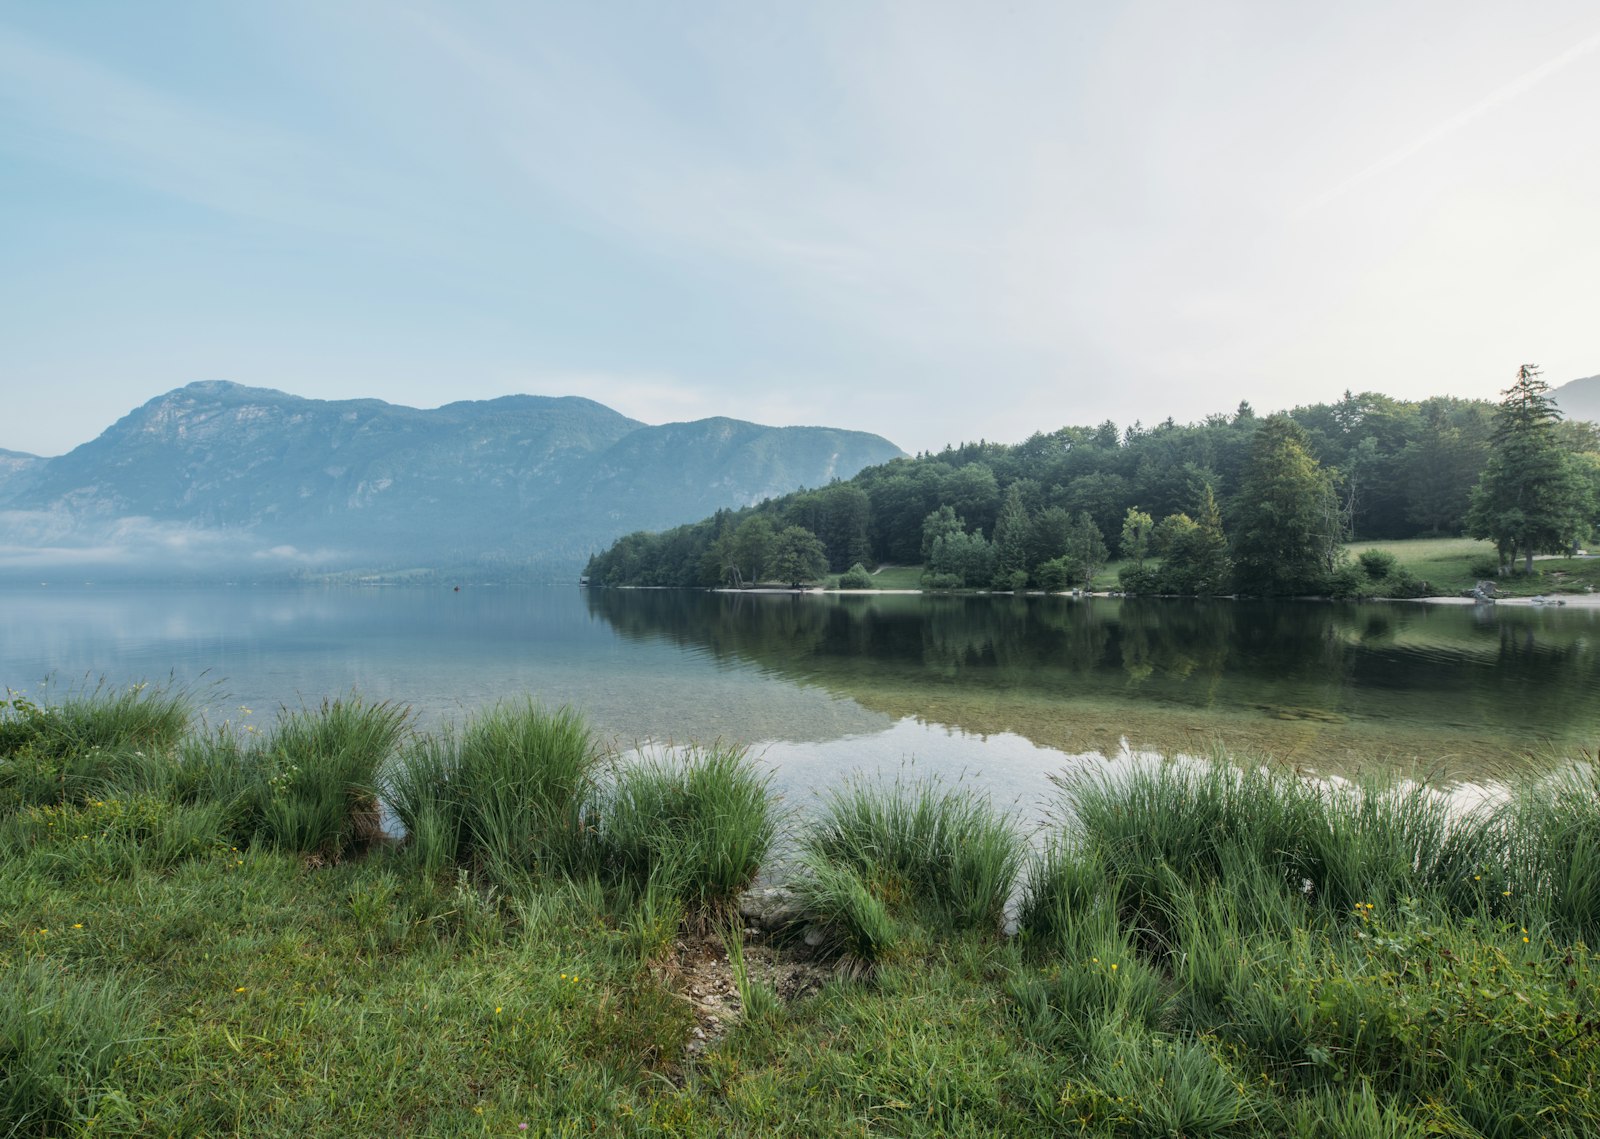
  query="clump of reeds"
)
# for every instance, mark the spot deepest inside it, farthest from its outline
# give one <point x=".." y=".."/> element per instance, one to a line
<point x="87" y="743"/>
<point x="315" y="777"/>
<point x="917" y="851"/>
<point x="1376" y="936"/>
<point x="696" y="822"/>
<point x="1182" y="823"/>
<point x="506" y="794"/>
<point x="1549" y="831"/>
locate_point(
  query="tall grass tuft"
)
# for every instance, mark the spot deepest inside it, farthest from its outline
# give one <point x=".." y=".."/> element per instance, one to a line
<point x="698" y="821"/>
<point x="1550" y="832"/>
<point x="507" y="794"/>
<point x="758" y="1003"/>
<point x="220" y="768"/>
<point x="1180" y="823"/>
<point x="1158" y="1086"/>
<point x="316" y="776"/>
<point x="1064" y="882"/>
<point x="946" y="855"/>
<point x="842" y="903"/>
<point x="87" y="744"/>
<point x="60" y="1039"/>
<point x="1351" y="1113"/>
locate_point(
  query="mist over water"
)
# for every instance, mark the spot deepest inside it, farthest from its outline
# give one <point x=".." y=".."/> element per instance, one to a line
<point x="998" y="691"/>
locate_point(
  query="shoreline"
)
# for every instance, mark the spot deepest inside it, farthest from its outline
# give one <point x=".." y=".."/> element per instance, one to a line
<point x="1539" y="601"/>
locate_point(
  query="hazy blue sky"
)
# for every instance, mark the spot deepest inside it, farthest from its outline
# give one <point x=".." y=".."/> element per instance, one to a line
<point x="936" y="221"/>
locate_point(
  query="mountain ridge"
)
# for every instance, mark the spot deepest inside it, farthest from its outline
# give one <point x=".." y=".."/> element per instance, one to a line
<point x="295" y="483"/>
<point x="1579" y="399"/>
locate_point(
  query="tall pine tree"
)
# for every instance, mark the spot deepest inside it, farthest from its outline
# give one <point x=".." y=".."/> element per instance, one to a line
<point x="1533" y="497"/>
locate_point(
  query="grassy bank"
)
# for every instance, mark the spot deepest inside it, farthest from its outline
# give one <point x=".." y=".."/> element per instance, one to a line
<point x="205" y="932"/>
<point x="1453" y="566"/>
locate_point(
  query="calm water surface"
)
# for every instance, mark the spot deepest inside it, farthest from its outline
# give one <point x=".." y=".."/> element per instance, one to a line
<point x="1002" y="691"/>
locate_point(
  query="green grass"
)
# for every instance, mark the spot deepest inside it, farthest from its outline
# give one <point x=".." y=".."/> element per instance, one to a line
<point x="62" y="1036"/>
<point x="1447" y="565"/>
<point x="897" y="577"/>
<point x="316" y="787"/>
<point x="1203" y="949"/>
<point x="66" y="751"/>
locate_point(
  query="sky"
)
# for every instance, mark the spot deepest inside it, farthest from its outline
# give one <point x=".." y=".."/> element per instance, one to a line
<point x="931" y="220"/>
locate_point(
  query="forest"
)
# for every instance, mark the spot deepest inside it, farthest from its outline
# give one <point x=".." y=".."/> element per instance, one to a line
<point x="1243" y="503"/>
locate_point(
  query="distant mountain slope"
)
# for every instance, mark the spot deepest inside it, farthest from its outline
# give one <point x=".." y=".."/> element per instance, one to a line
<point x="15" y="466"/>
<point x="281" y="479"/>
<point x="1579" y="399"/>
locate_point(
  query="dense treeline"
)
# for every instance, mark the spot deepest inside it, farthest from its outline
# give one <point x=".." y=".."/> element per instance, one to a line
<point x="1261" y="505"/>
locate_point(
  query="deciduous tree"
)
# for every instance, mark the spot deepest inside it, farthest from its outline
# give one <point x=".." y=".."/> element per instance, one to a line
<point x="797" y="556"/>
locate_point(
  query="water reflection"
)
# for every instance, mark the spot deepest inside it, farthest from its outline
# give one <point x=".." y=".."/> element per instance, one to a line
<point x="825" y="684"/>
<point x="1456" y="687"/>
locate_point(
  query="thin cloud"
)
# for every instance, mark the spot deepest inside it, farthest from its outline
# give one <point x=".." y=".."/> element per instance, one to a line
<point x="1499" y="98"/>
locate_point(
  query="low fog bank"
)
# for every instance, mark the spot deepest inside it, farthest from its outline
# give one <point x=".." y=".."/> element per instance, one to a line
<point x="48" y="546"/>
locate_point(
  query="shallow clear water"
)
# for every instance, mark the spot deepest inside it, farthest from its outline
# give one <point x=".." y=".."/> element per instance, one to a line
<point x="1002" y="690"/>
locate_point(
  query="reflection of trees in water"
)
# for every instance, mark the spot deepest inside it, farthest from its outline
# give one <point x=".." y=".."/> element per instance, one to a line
<point x="771" y="629"/>
<point x="1180" y="643"/>
<point x="1520" y="672"/>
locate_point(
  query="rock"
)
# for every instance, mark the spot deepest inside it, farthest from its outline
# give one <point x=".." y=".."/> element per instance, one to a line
<point x="771" y="908"/>
<point x="815" y="936"/>
<point x="1484" y="591"/>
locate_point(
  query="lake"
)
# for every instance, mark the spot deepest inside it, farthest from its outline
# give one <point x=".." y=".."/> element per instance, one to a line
<point x="1001" y="691"/>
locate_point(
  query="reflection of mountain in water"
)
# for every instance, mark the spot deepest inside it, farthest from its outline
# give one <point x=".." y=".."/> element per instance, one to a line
<point x="1304" y="680"/>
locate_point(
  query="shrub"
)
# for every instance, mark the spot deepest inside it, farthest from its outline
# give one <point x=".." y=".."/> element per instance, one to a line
<point x="940" y="582"/>
<point x="856" y="577"/>
<point x="1016" y="581"/>
<point x="1135" y="579"/>
<point x="1055" y="575"/>
<point x="1377" y="564"/>
<point x="1350" y="583"/>
<point x="1484" y="568"/>
<point x="1403" y="583"/>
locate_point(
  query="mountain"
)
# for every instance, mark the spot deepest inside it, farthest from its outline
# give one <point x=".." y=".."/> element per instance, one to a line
<point x="15" y="466"/>
<point x="1579" y="399"/>
<point x="217" y="475"/>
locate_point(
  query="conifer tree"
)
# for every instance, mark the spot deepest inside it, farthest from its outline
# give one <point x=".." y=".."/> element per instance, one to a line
<point x="1533" y="497"/>
<point x="1011" y="534"/>
<point x="1288" y="526"/>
